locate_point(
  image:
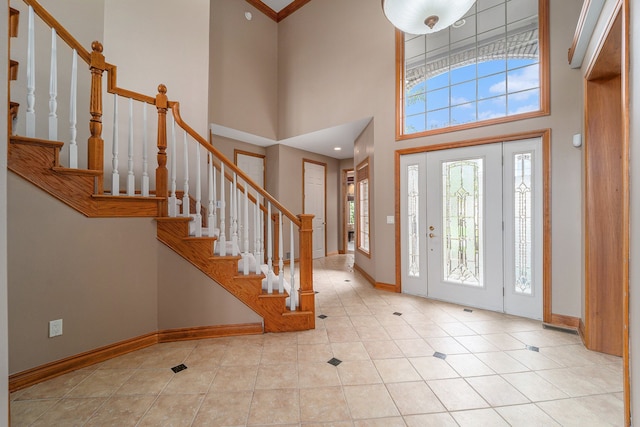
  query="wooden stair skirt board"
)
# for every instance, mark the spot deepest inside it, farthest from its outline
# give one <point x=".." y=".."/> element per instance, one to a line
<point x="37" y="161"/>
<point x="51" y="370"/>
<point x="174" y="232"/>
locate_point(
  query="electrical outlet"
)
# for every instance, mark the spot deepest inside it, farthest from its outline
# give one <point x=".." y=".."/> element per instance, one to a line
<point x="55" y="328"/>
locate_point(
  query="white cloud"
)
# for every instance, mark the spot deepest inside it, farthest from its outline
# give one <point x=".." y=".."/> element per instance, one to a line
<point x="521" y="80"/>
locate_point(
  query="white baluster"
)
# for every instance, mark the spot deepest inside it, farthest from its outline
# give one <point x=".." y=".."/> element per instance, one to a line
<point x="293" y="293"/>
<point x="211" y="191"/>
<point x="53" y="89"/>
<point x="73" y="112"/>
<point x="280" y="261"/>
<point x="256" y="234"/>
<point x="246" y="229"/>
<point x="260" y="234"/>
<point x="115" y="177"/>
<point x="173" y="201"/>
<point x="185" y="196"/>
<point x="198" y="218"/>
<point x="269" y="250"/>
<point x="145" y="157"/>
<point x="31" y="77"/>
<point x="223" y="237"/>
<point x="131" y="178"/>
<point x="234" y="216"/>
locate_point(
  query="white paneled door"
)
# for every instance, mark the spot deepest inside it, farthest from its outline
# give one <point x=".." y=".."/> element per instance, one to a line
<point x="314" y="203"/>
<point x="471" y="224"/>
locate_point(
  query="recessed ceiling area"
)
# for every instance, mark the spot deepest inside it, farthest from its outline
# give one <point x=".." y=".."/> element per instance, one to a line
<point x="277" y="5"/>
<point x="322" y="142"/>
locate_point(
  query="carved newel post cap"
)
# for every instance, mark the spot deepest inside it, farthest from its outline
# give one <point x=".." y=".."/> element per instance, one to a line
<point x="162" y="89"/>
<point x="96" y="46"/>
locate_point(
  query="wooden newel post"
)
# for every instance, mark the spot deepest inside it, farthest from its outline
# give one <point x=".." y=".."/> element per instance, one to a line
<point x="162" y="174"/>
<point x="95" y="148"/>
<point x="307" y="294"/>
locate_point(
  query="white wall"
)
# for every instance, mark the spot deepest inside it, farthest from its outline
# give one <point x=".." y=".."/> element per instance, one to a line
<point x="4" y="332"/>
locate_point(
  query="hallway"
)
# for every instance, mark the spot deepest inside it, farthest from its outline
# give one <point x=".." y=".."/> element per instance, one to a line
<point x="401" y="361"/>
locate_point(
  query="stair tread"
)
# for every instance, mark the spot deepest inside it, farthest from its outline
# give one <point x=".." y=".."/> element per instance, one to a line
<point x="125" y="197"/>
<point x="15" y="139"/>
<point x="73" y="171"/>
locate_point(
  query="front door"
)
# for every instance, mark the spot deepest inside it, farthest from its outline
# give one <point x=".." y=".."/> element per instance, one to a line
<point x="471" y="227"/>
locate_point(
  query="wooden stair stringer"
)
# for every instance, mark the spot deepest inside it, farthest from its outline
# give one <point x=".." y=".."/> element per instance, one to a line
<point x="37" y="161"/>
<point x="223" y="270"/>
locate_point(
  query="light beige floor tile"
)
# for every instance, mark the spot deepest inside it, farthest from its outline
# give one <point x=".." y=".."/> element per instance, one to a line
<point x="242" y="356"/>
<point x="487" y="327"/>
<point x="25" y="412"/>
<point x="365" y="321"/>
<point x="431" y="330"/>
<point x="414" y="398"/>
<point x="70" y="411"/>
<point x="456" y="329"/>
<point x="372" y="333"/>
<point x="501" y="362"/>
<point x="317" y="375"/>
<point x="167" y="357"/>
<point x="383" y="349"/>
<point x="497" y="391"/>
<point x="146" y="381"/>
<point x="414" y="347"/>
<point x="206" y="357"/>
<point x="468" y="365"/>
<point x="167" y="410"/>
<point x="433" y="368"/>
<point x="401" y="332"/>
<point x="224" y="409"/>
<point x="582" y="381"/>
<point x="577" y="355"/>
<point x="431" y="420"/>
<point x="121" y="411"/>
<point x="357" y="310"/>
<point x="128" y="361"/>
<point x="396" y="370"/>
<point x="479" y="418"/>
<point x="277" y="376"/>
<point x="545" y="338"/>
<point x="274" y="407"/>
<point x="601" y="410"/>
<point x="350" y="351"/>
<point x="381" y="422"/>
<point x="504" y="341"/>
<point x="476" y="344"/>
<point x="323" y="404"/>
<point x="343" y="335"/>
<point x="456" y="395"/>
<point x="314" y="352"/>
<point x="446" y="345"/>
<point x="534" y="387"/>
<point x="56" y="387"/>
<point x="523" y="415"/>
<point x="235" y="378"/>
<point x="191" y="381"/>
<point x="360" y="372"/>
<point x="533" y="360"/>
<point x="370" y="401"/>
<point x="314" y="336"/>
<point x="333" y="311"/>
<point x="286" y="353"/>
<point x="101" y="383"/>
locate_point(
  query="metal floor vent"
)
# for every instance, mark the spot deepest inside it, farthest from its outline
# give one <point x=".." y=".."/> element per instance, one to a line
<point x="333" y="361"/>
<point x="180" y="367"/>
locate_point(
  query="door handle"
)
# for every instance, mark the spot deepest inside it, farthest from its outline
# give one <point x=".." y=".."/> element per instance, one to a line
<point x="431" y="235"/>
<point x="431" y="227"/>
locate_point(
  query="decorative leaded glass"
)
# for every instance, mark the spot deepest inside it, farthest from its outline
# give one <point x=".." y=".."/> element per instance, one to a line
<point x="523" y="227"/>
<point x="461" y="221"/>
<point x="413" y="202"/>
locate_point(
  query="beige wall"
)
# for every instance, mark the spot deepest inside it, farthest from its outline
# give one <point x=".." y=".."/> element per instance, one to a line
<point x="243" y="69"/>
<point x="228" y="146"/>
<point x="188" y="298"/>
<point x="327" y="77"/>
<point x="98" y="275"/>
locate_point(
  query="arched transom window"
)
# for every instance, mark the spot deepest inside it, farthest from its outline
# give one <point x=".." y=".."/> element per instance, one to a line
<point x="488" y="67"/>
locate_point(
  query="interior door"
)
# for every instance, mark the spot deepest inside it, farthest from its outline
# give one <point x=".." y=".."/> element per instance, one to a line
<point x="464" y="220"/>
<point x="314" y="203"/>
<point x="252" y="165"/>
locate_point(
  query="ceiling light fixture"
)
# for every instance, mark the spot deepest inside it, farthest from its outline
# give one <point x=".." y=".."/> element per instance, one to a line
<point x="337" y="148"/>
<point x="424" y="16"/>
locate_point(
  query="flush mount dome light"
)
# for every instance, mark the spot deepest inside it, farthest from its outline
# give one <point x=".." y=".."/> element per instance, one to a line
<point x="424" y="16"/>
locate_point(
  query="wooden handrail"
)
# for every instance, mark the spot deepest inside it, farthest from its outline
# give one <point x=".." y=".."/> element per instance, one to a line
<point x="175" y="109"/>
<point x="112" y="87"/>
<point x="60" y="30"/>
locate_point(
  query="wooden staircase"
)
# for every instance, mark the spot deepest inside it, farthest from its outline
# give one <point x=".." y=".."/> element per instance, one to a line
<point x="38" y="161"/>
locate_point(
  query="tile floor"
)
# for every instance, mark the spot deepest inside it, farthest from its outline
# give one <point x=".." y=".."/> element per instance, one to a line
<point x="488" y="372"/>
